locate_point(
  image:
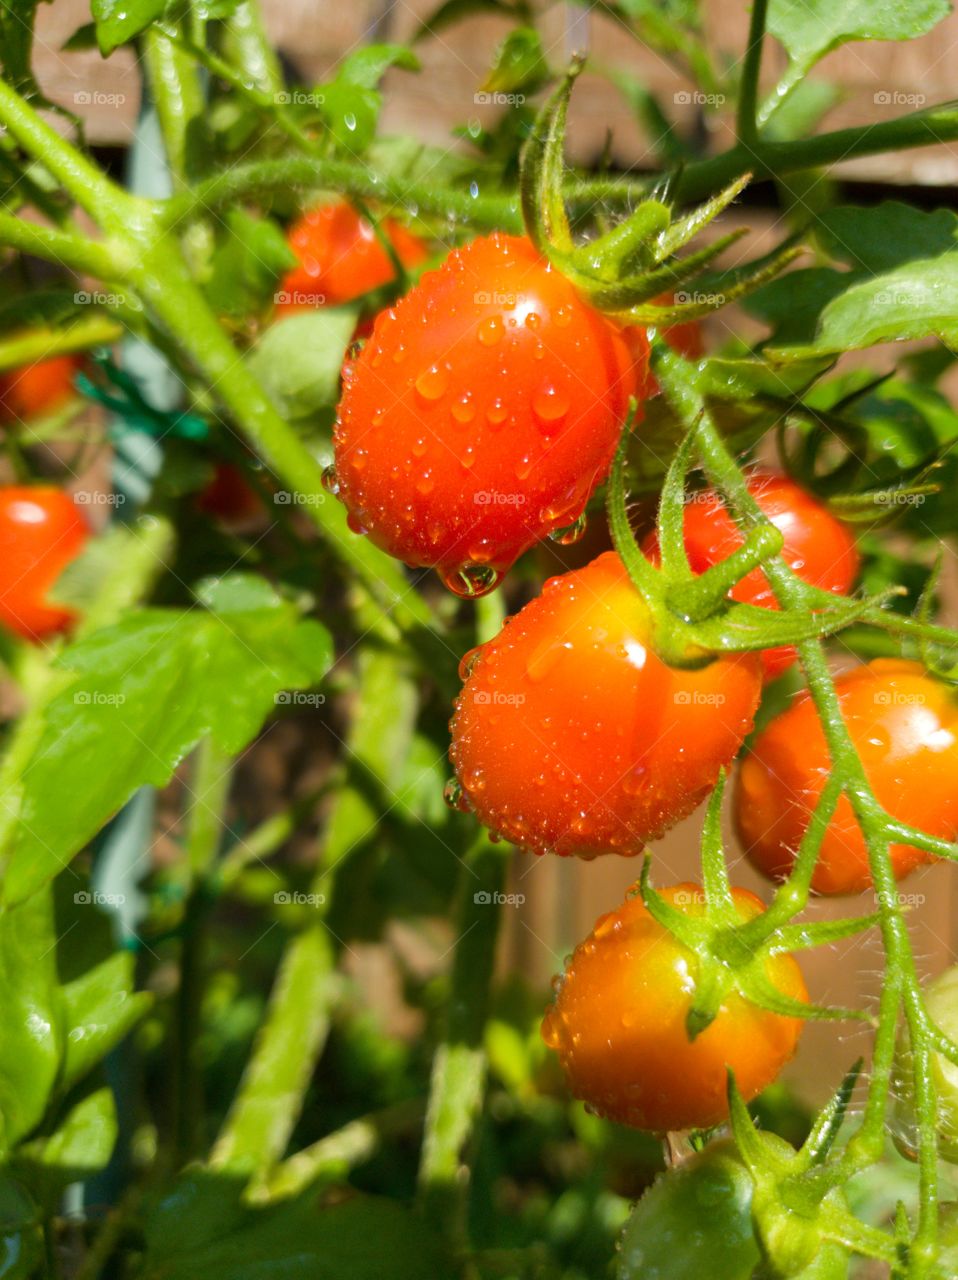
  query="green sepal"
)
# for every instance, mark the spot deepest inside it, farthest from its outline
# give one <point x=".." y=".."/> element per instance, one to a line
<point x="543" y="169"/>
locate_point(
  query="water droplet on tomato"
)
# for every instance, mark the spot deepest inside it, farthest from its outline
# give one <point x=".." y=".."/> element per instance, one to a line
<point x="571" y="533"/>
<point x="432" y="383"/>
<point x="355" y="523"/>
<point x="469" y="661"/>
<point x="490" y="331"/>
<point x="550" y="404"/>
<point x="497" y="413"/>
<point x="331" y="480"/>
<point x="464" y="410"/>
<point x="455" y="796"/>
<point x="471" y="580"/>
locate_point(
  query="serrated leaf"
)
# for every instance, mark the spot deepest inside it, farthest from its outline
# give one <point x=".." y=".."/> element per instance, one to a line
<point x="32" y="1037"/>
<point x="143" y="693"/>
<point x="99" y="1009"/>
<point x="118" y="21"/>
<point x="811" y="28"/>
<point x="299" y="359"/>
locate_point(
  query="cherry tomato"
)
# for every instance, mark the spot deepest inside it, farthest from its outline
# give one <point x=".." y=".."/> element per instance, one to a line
<point x="229" y="496"/>
<point x="941" y="1001"/>
<point x="817" y="546"/>
<point x="481" y="414"/>
<point x="905" y="727"/>
<point x="696" y="1221"/>
<point x="618" y="1022"/>
<point x="41" y="531"/>
<point x="341" y="258"/>
<point x="571" y="736"/>
<point x="36" y="389"/>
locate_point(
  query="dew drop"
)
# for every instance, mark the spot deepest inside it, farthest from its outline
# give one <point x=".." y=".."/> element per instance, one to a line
<point x="471" y="580"/>
<point x="469" y="661"/>
<point x="355" y="524"/>
<point x="496" y="413"/>
<point x="464" y="410"/>
<point x="432" y="383"/>
<point x="490" y="331"/>
<point x="455" y="796"/>
<point x="349" y="120"/>
<point x="331" y="480"/>
<point x="571" y="533"/>
<point x="550" y="404"/>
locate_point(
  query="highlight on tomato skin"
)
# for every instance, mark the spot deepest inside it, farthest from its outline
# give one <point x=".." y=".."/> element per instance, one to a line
<point x="618" y="1022"/>
<point x="38" y="388"/>
<point x="41" y="532"/>
<point x="571" y="736"/>
<point x="904" y="725"/>
<point x="468" y="429"/>
<point x="817" y="546"/>
<point x="341" y="258"/>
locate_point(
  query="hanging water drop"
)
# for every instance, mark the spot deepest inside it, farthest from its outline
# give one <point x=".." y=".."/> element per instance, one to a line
<point x="331" y="480"/>
<point x="471" y="580"/>
<point x="571" y="533"/>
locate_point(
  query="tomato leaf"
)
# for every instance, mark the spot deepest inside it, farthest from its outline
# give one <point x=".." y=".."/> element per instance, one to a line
<point x="80" y="1147"/>
<point x="811" y="28"/>
<point x="203" y="1229"/>
<point x="118" y="21"/>
<point x="520" y="64"/>
<point x="300" y="357"/>
<point x="99" y="1009"/>
<point x="143" y="693"/>
<point x="32" y="1038"/>
<point x="366" y="66"/>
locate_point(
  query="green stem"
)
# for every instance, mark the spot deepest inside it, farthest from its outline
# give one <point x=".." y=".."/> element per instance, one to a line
<point x="27" y="346"/>
<point x="92" y="257"/>
<point x="746" y="123"/>
<point x="249" y="47"/>
<point x="459" y="1066"/>
<point x="209" y="790"/>
<point x="179" y="100"/>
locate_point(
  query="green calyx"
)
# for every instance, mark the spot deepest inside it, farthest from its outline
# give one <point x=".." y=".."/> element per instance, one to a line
<point x="625" y="270"/>
<point x="693" y="618"/>
<point x="733" y="954"/>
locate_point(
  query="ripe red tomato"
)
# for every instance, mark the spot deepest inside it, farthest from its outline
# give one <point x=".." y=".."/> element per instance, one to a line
<point x="41" y="531"/>
<point x="905" y="727"/>
<point x="340" y="257"/>
<point x="481" y="414"/>
<point x="817" y="546"/>
<point x="37" y="388"/>
<point x="618" y="1022"/>
<point x="229" y="496"/>
<point x="570" y="735"/>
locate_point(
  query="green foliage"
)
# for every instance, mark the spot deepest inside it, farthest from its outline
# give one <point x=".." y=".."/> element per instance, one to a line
<point x="118" y="21"/>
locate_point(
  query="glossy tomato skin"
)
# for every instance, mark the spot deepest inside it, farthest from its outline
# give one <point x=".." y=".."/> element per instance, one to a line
<point x="340" y="257"/>
<point x="618" y="1022"/>
<point x="905" y="727"/>
<point x="571" y="736"/>
<point x="41" y="531"/>
<point x="817" y="546"/>
<point x="482" y="412"/>
<point x="36" y="389"/>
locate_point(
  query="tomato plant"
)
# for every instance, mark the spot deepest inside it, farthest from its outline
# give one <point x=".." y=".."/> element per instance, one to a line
<point x="273" y="985"/>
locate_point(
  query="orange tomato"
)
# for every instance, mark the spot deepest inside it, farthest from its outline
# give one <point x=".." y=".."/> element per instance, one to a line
<point x="41" y="531"/>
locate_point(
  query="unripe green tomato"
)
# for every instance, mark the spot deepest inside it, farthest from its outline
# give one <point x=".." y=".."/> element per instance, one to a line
<point x="941" y="1001"/>
<point x="696" y="1221"/>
